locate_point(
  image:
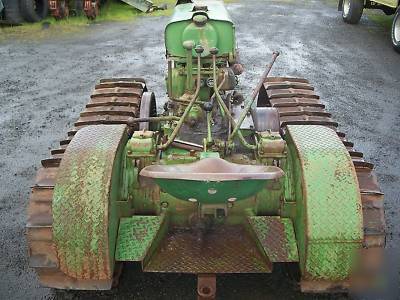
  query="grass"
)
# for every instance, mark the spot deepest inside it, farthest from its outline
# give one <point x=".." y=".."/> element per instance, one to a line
<point x="112" y="11"/>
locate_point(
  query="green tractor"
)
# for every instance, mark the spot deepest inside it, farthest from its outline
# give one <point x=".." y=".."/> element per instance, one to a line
<point x="215" y="184"/>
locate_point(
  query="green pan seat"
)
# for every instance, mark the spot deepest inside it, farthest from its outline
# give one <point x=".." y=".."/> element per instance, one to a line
<point x="211" y="180"/>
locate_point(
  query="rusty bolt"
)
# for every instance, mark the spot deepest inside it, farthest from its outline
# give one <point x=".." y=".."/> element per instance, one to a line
<point x="188" y="45"/>
<point x="200" y="20"/>
<point x="199" y="49"/>
<point x="208" y="106"/>
<point x="214" y="51"/>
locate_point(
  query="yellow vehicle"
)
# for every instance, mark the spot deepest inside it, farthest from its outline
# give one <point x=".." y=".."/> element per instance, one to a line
<point x="352" y="11"/>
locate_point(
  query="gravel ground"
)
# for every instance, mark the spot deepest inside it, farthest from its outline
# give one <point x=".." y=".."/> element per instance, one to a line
<point x="45" y="84"/>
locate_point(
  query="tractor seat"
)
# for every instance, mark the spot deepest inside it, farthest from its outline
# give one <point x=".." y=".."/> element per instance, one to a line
<point x="212" y="169"/>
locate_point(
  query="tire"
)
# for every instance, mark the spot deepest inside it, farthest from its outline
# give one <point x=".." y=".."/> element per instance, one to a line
<point x="352" y="11"/>
<point x="34" y="10"/>
<point x="12" y="12"/>
<point x="396" y="31"/>
<point x="77" y="7"/>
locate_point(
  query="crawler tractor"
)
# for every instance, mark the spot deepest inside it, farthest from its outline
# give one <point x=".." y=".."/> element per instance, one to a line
<point x="216" y="183"/>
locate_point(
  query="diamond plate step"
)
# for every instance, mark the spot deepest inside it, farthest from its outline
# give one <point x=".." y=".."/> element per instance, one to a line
<point x="276" y="237"/>
<point x="223" y="249"/>
<point x="136" y="235"/>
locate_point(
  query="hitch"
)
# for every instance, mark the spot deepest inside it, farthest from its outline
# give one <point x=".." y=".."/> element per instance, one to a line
<point x="206" y="286"/>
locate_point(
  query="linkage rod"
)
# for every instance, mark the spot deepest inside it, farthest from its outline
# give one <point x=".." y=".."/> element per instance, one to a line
<point x="175" y="132"/>
<point x="264" y="76"/>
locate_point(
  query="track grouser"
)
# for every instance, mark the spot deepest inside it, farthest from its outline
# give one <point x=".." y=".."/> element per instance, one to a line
<point x="218" y="182"/>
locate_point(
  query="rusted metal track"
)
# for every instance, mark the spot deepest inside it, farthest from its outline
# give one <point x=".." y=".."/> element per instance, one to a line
<point x="104" y="107"/>
<point x="305" y="108"/>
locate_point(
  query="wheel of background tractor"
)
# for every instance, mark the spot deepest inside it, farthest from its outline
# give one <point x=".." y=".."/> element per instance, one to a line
<point x="112" y="102"/>
<point x="396" y="31"/>
<point x="352" y="11"/>
<point x="34" y="10"/>
<point x="12" y="12"/>
<point x="77" y="7"/>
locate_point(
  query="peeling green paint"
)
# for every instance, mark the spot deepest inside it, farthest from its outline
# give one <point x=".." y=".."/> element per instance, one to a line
<point x="276" y="237"/>
<point x="84" y="213"/>
<point x="135" y="237"/>
<point x="328" y="221"/>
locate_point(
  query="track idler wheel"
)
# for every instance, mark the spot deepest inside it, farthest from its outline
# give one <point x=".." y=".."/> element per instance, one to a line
<point x="148" y="108"/>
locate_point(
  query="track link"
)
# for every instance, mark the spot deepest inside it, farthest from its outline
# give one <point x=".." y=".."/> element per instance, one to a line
<point x="112" y="102"/>
<point x="297" y="103"/>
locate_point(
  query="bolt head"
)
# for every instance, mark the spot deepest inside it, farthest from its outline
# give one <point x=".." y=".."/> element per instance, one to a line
<point x="188" y="45"/>
<point x="199" y="49"/>
<point x="208" y="106"/>
<point x="199" y="7"/>
<point x="200" y="20"/>
<point x="214" y="51"/>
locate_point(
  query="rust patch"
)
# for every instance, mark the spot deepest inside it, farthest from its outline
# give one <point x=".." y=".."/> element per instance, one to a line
<point x="223" y="249"/>
<point x="276" y="236"/>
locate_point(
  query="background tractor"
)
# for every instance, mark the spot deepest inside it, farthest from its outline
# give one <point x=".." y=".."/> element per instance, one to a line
<point x="352" y="11"/>
<point x="216" y="183"/>
<point x="19" y="11"/>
